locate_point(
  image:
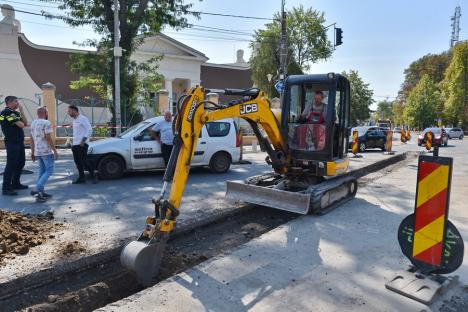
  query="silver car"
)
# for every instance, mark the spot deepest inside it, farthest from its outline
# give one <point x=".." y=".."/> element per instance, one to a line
<point x="455" y="133"/>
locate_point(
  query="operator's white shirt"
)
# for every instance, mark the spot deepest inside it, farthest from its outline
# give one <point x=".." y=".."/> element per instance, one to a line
<point x="81" y="129"/>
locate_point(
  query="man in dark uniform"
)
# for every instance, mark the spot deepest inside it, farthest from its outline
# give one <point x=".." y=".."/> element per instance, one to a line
<point x="12" y="123"/>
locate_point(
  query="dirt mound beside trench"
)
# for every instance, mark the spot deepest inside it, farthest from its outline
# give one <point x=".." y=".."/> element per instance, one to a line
<point x="19" y="233"/>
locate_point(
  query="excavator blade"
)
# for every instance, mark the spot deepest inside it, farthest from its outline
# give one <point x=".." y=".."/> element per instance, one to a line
<point x="270" y="197"/>
<point x="143" y="259"/>
<point x="317" y="199"/>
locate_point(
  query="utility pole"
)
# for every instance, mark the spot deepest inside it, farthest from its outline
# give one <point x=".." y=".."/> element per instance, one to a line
<point x="117" y="55"/>
<point x="455" y="26"/>
<point x="283" y="45"/>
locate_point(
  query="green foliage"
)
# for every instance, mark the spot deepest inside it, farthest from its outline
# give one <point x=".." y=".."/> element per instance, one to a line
<point x="384" y="110"/>
<point x="101" y="132"/>
<point x="434" y="65"/>
<point x="424" y="105"/>
<point x="307" y="43"/>
<point x="455" y="87"/>
<point x="398" y="110"/>
<point x="138" y="18"/>
<point x="361" y="98"/>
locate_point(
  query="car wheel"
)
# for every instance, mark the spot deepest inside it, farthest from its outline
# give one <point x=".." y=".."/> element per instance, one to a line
<point x="220" y="162"/>
<point x="362" y="147"/>
<point x="111" y="167"/>
<point x="461" y="137"/>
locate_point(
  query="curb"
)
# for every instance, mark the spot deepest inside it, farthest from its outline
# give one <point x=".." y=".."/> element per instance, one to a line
<point x="51" y="274"/>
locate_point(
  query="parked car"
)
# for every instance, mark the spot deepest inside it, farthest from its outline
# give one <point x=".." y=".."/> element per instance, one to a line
<point x="453" y="133"/>
<point x="440" y="137"/>
<point x="136" y="149"/>
<point x="369" y="137"/>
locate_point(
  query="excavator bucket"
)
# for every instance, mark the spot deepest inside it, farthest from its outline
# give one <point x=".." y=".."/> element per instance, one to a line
<point x="270" y="197"/>
<point x="143" y="258"/>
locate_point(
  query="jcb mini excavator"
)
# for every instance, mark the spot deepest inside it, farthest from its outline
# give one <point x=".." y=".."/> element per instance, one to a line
<point x="306" y="146"/>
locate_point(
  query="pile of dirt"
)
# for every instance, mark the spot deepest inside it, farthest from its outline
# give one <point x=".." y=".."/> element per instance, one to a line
<point x="71" y="248"/>
<point x="19" y="232"/>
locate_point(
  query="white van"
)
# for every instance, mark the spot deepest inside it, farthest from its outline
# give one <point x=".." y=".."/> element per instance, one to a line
<point x="136" y="149"/>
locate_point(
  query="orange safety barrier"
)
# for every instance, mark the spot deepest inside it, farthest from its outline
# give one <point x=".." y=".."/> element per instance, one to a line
<point x="388" y="143"/>
<point x="354" y="147"/>
<point x="403" y="136"/>
<point x="428" y="136"/>
<point x="408" y="135"/>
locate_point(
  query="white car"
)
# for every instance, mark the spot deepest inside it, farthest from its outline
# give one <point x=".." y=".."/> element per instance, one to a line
<point x="454" y="133"/>
<point x="136" y="149"/>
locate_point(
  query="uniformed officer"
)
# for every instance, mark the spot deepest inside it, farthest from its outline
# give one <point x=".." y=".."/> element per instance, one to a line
<point x="12" y="123"/>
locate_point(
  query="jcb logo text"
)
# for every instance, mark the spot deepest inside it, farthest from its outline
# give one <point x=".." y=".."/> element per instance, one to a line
<point x="248" y="108"/>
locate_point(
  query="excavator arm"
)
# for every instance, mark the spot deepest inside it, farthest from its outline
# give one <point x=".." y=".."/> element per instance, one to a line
<point x="144" y="255"/>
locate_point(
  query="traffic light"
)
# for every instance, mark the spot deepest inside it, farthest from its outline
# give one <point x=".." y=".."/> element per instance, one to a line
<point x="338" y="36"/>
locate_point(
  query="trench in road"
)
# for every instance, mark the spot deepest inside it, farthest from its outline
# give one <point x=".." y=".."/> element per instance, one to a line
<point x="109" y="282"/>
<point x="106" y="282"/>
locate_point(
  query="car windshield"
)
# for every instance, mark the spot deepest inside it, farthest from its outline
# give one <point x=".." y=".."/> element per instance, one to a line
<point x="130" y="130"/>
<point x="433" y="130"/>
<point x="361" y="130"/>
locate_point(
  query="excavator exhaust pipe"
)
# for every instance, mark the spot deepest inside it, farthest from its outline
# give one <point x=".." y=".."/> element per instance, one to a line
<point x="270" y="197"/>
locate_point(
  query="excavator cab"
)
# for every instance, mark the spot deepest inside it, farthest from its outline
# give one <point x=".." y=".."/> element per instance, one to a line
<point x="315" y="120"/>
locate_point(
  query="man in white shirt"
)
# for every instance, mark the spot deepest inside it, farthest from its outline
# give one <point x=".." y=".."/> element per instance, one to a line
<point x="164" y="134"/>
<point x="43" y="150"/>
<point x="82" y="131"/>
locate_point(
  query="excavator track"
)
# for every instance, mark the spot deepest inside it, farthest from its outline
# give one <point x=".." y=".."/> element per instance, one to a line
<point x="268" y="190"/>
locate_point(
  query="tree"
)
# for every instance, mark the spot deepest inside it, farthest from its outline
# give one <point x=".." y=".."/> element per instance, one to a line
<point x="138" y="18"/>
<point x="384" y="110"/>
<point x="424" y="105"/>
<point x="398" y="109"/>
<point x="307" y="43"/>
<point x="433" y="65"/>
<point x="455" y="86"/>
<point x="361" y="98"/>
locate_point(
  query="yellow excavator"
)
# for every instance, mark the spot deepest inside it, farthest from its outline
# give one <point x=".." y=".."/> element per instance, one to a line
<point x="306" y="143"/>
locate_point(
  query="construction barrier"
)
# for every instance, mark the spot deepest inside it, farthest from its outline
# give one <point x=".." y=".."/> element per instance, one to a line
<point x="408" y="135"/>
<point x="403" y="136"/>
<point x="388" y="143"/>
<point x="427" y="237"/>
<point x="355" y="147"/>
<point x="428" y="136"/>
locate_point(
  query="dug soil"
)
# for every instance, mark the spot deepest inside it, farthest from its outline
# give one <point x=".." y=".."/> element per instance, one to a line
<point x="19" y="233"/>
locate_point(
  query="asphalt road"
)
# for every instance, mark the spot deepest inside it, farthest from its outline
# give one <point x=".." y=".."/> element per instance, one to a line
<point x="336" y="262"/>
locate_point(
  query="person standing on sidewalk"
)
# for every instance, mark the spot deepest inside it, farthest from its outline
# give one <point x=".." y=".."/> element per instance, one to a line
<point x="43" y="150"/>
<point x="166" y="136"/>
<point x="82" y="131"/>
<point x="12" y="123"/>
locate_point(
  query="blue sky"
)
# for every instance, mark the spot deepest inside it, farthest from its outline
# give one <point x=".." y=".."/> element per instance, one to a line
<point x="380" y="38"/>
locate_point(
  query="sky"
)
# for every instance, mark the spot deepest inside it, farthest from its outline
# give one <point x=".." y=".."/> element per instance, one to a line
<point x="380" y="38"/>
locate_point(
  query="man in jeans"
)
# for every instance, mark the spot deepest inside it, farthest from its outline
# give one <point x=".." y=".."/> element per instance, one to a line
<point x="43" y="150"/>
<point x="12" y="122"/>
<point x="82" y="130"/>
<point x="166" y="136"/>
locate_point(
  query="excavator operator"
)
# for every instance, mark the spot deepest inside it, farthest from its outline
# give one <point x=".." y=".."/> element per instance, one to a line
<point x="315" y="112"/>
<point x="311" y="135"/>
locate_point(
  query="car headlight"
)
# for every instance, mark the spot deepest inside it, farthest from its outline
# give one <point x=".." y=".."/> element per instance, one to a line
<point x="90" y="150"/>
